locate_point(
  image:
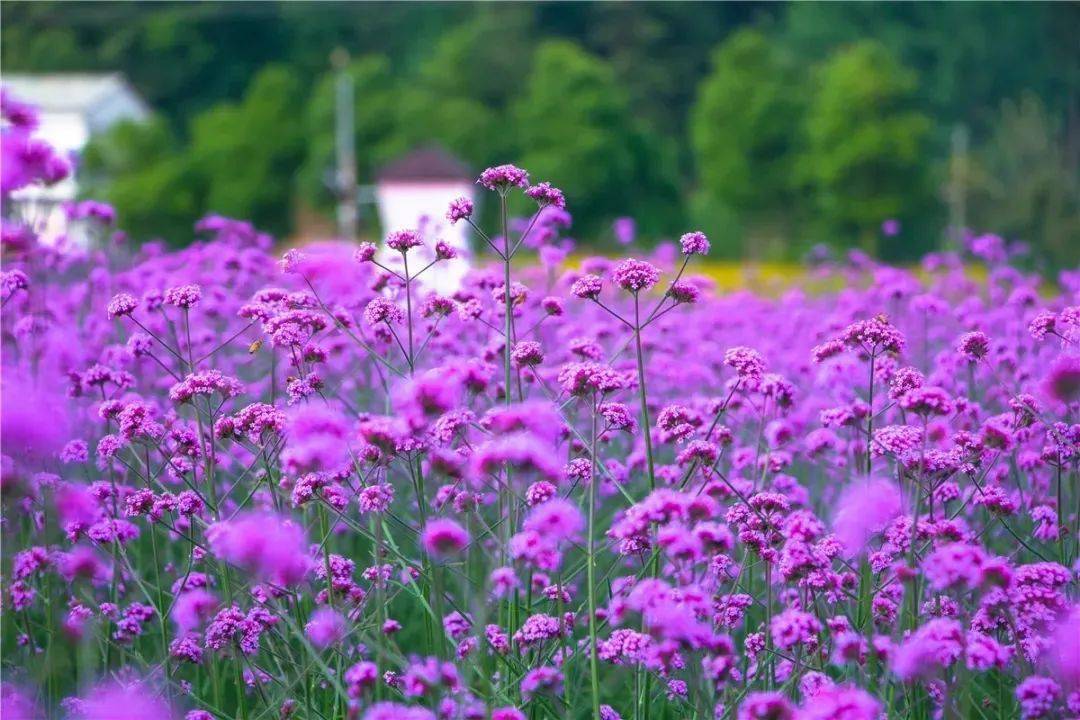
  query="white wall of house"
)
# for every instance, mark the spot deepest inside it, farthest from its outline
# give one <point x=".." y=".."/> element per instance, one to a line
<point x="422" y="204"/>
<point x="71" y="109"/>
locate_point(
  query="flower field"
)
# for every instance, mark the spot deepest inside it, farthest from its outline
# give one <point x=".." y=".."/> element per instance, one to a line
<point x="244" y="485"/>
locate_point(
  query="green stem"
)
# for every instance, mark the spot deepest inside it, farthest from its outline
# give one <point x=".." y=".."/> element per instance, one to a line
<point x="594" y="665"/>
<point x="643" y="396"/>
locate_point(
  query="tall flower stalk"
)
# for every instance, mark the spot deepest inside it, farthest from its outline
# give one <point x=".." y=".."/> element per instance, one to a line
<point x="236" y="488"/>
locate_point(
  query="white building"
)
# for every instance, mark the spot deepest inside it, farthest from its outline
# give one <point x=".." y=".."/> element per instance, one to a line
<point x="72" y="109"/>
<point x="414" y="192"/>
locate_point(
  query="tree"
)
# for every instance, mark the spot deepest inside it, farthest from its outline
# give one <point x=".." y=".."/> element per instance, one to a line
<point x="1022" y="185"/>
<point x="241" y="162"/>
<point x="575" y="129"/>
<point x="963" y="75"/>
<point x="375" y="115"/>
<point x="863" y="161"/>
<point x="249" y="153"/>
<point x="154" y="187"/>
<point x="743" y="129"/>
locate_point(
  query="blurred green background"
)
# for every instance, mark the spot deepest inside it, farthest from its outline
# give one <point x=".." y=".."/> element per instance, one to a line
<point x="773" y="126"/>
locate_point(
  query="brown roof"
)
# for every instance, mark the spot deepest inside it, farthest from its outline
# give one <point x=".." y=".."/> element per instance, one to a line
<point x="426" y="163"/>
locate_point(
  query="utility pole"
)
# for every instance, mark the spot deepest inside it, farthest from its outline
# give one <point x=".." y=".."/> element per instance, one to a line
<point x="957" y="191"/>
<point x="346" y="151"/>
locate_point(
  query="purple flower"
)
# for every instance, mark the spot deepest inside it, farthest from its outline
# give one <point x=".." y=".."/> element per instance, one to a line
<point x="403" y="240"/>
<point x="747" y="362"/>
<point x="382" y="310"/>
<point x="937" y="644"/>
<point x="694" y="243"/>
<point x="545" y="195"/>
<point x="541" y="679"/>
<point x="839" y="702"/>
<point x="973" y="345"/>
<point x="766" y="706"/>
<point x="682" y="291"/>
<point x="1037" y="697"/>
<point x="269" y="546"/>
<point x="863" y="509"/>
<point x="1062" y="383"/>
<point x="444" y="537"/>
<point x="527" y="353"/>
<point x="556" y="519"/>
<point x="122" y="304"/>
<point x="326" y="627"/>
<point x="184" y="296"/>
<point x="890" y="228"/>
<point x="365" y="253"/>
<point x="503" y="177"/>
<point x="1063" y="653"/>
<point x="117" y="701"/>
<point x="587" y="287"/>
<point x="211" y="382"/>
<point x="635" y="275"/>
<point x="795" y="627"/>
<point x="192" y="608"/>
<point x="625" y="230"/>
<point x="318" y="439"/>
<point x="460" y="209"/>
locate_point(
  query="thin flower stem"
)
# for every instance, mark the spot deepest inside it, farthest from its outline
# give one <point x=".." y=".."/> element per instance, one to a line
<point x="594" y="664"/>
<point x="646" y="428"/>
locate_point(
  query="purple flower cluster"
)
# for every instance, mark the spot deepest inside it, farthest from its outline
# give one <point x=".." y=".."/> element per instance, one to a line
<point x="322" y="490"/>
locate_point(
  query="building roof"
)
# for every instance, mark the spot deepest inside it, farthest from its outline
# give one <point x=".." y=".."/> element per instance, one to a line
<point x="427" y="163"/>
<point x="70" y="92"/>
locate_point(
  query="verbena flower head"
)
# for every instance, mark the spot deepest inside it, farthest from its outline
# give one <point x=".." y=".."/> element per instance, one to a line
<point x="184" y="296"/>
<point x="694" y="243"/>
<point x="545" y="195"/>
<point x="973" y="345"/>
<point x="123" y="701"/>
<point x="747" y="362"/>
<point x="682" y="291"/>
<point x="383" y="310"/>
<point x="460" y="209"/>
<point x="270" y="547"/>
<point x="503" y="177"/>
<point x="556" y="519"/>
<point x="403" y="240"/>
<point x="864" y="508"/>
<point x="834" y="702"/>
<point x="876" y="334"/>
<point x="444" y="537"/>
<point x="211" y="382"/>
<point x="326" y="627"/>
<point x="766" y="706"/>
<point x="1062" y="382"/>
<point x="365" y="252"/>
<point x="122" y="304"/>
<point x="934" y="646"/>
<point x="635" y="275"/>
<point x="587" y="287"/>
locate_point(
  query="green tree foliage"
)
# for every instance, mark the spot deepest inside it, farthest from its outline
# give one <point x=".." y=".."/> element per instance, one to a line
<point x="377" y="137"/>
<point x="957" y="50"/>
<point x="574" y="125"/>
<point x="240" y="162"/>
<point x="138" y="169"/>
<point x="863" y="159"/>
<point x="687" y="133"/>
<point x="744" y="129"/>
<point x="248" y="152"/>
<point x="659" y="50"/>
<point x="451" y="99"/>
<point x="1022" y="184"/>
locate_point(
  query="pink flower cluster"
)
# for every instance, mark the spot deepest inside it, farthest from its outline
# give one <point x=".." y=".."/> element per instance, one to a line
<point x="233" y="488"/>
